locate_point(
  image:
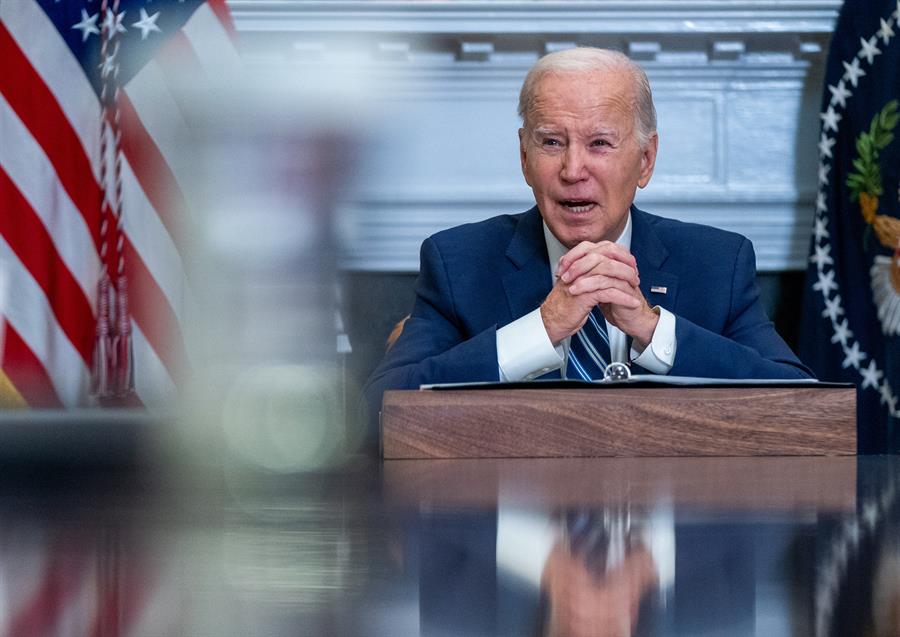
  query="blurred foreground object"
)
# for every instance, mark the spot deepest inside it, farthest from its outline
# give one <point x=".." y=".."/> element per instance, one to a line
<point x="270" y="154"/>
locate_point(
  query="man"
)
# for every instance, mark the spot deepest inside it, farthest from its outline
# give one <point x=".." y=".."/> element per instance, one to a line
<point x="514" y="297"/>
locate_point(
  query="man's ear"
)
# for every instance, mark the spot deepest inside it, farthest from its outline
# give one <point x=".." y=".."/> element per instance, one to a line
<point x="648" y="160"/>
<point x="522" y="155"/>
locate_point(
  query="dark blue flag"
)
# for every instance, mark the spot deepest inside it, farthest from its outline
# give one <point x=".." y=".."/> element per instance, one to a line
<point x="851" y="329"/>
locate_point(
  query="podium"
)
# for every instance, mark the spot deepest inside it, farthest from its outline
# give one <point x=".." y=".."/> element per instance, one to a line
<point x="808" y="419"/>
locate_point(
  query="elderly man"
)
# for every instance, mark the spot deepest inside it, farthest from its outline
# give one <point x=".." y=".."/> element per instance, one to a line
<point x="584" y="277"/>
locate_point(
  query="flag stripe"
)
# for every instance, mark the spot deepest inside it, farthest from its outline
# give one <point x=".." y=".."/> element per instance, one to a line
<point x="26" y="372"/>
<point x="150" y="100"/>
<point x="29" y="169"/>
<point x="53" y="61"/>
<point x="26" y="236"/>
<point x="151" y="241"/>
<point x="211" y="43"/>
<point x="150" y="169"/>
<point x="153" y="386"/>
<point x="30" y="314"/>
<point x="60" y="583"/>
<point x="224" y="16"/>
<point x="153" y="313"/>
<point x="34" y="104"/>
<point x="179" y="60"/>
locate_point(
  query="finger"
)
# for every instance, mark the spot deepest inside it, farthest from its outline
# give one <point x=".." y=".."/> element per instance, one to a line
<point x="590" y="283"/>
<point x="603" y="289"/>
<point x="609" y="249"/>
<point x="613" y="296"/>
<point x="599" y="264"/>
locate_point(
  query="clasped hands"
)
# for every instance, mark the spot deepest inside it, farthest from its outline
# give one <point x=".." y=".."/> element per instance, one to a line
<point x="603" y="274"/>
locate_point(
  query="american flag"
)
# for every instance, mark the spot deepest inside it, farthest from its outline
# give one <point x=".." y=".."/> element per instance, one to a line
<point x="57" y="58"/>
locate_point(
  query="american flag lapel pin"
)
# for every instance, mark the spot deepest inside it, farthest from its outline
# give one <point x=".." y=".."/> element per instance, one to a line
<point x="658" y="289"/>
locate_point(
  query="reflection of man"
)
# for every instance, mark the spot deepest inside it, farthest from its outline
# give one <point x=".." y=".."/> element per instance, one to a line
<point x="501" y="299"/>
<point x="600" y="572"/>
<point x="584" y="604"/>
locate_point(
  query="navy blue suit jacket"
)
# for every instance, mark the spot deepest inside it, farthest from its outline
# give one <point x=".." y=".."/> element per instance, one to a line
<point x="478" y="277"/>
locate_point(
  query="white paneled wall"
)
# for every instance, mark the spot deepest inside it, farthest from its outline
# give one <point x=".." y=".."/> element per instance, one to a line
<point x="737" y="85"/>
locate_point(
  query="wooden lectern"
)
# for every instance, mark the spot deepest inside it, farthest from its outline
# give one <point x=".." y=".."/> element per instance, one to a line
<point x="620" y="420"/>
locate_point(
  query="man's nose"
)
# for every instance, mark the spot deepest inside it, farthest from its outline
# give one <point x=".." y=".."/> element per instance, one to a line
<point x="574" y="164"/>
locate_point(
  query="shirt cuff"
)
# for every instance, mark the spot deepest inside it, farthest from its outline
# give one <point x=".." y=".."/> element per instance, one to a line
<point x="659" y="356"/>
<point x="524" y="350"/>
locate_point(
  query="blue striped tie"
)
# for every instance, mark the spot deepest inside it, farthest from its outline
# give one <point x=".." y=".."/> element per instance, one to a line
<point x="589" y="349"/>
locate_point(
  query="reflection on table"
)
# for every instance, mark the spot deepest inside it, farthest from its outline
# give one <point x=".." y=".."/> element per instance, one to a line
<point x="753" y="546"/>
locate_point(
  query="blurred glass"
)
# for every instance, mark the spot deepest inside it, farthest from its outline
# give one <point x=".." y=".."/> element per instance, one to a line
<point x="272" y="160"/>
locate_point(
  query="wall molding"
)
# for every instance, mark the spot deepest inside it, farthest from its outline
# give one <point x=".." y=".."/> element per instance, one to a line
<point x="737" y="86"/>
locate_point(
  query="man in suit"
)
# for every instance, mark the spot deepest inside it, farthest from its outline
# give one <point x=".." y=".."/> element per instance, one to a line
<point x="503" y="298"/>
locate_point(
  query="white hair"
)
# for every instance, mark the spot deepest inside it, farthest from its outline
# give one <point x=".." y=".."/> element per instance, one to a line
<point x="585" y="59"/>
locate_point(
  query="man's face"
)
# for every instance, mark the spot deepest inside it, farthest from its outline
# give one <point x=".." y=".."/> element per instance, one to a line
<point x="580" y="154"/>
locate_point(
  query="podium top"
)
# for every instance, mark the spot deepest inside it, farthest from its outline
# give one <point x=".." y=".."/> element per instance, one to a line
<point x="644" y="380"/>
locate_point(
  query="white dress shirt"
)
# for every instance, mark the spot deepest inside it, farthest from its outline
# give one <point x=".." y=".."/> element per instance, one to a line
<point x="524" y="350"/>
<point x="525" y="539"/>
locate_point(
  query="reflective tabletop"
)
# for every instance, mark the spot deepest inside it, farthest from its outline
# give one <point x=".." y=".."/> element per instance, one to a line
<point x="650" y="546"/>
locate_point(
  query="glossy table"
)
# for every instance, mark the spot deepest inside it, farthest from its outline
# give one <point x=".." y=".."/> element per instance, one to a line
<point x="654" y="546"/>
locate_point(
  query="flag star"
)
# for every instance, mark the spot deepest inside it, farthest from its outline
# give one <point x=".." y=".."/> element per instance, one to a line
<point x="87" y="26"/>
<point x="852" y="356"/>
<point x="871" y="375"/>
<point x="147" y="23"/>
<point x="109" y="66"/>
<point x="833" y="309"/>
<point x="823" y="174"/>
<point x="853" y="72"/>
<point x="820" y="230"/>
<point x="887" y="396"/>
<point x="822" y="256"/>
<point x="885" y="32"/>
<point x="842" y="332"/>
<point x="825" y="144"/>
<point x="821" y="206"/>
<point x="868" y="50"/>
<point x="839" y="94"/>
<point x="830" y="119"/>
<point x="826" y="284"/>
<point x="113" y="22"/>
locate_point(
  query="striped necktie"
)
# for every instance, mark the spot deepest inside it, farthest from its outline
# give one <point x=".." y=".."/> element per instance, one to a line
<point x="589" y="349"/>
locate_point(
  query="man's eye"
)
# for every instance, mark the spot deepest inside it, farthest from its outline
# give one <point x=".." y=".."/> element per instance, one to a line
<point x="599" y="143"/>
<point x="551" y="142"/>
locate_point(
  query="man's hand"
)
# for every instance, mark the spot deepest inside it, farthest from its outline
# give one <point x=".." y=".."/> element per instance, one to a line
<point x="603" y="274"/>
<point x="585" y="605"/>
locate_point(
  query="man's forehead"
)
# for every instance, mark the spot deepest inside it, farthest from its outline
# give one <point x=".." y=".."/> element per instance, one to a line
<point x="585" y="98"/>
<point x="585" y="129"/>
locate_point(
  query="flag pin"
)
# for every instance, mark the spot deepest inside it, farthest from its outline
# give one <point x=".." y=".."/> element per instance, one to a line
<point x="659" y="289"/>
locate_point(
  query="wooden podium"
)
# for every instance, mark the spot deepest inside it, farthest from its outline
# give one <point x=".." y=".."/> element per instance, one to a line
<point x="620" y="420"/>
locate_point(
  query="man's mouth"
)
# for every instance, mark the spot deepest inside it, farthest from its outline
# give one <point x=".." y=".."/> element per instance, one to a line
<point x="577" y="205"/>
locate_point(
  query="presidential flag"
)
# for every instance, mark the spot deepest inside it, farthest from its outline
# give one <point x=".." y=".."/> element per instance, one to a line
<point x="92" y="277"/>
<point x="852" y="308"/>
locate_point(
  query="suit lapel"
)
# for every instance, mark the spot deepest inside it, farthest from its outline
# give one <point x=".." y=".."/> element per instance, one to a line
<point x="527" y="283"/>
<point x="659" y="287"/>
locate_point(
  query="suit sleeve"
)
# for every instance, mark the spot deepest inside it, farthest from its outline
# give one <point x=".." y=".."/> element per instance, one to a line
<point x="748" y="347"/>
<point x="436" y="346"/>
